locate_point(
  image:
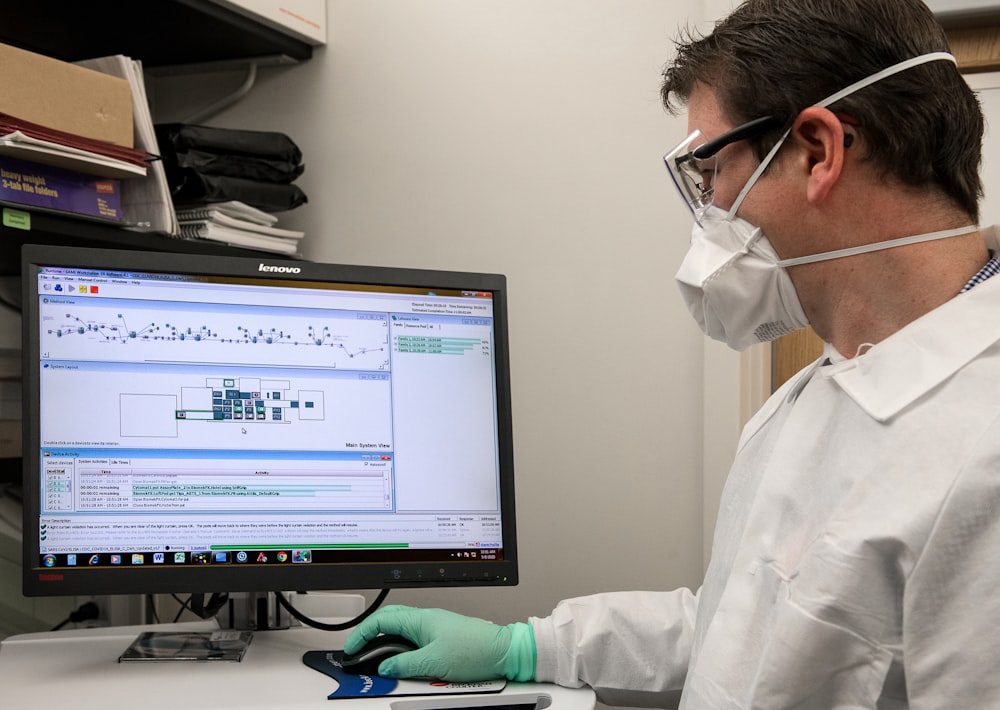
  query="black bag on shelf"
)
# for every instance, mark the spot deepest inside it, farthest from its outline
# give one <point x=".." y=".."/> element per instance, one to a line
<point x="252" y="155"/>
<point x="269" y="145"/>
<point x="194" y="187"/>
<point x="205" y="164"/>
<point x="241" y="166"/>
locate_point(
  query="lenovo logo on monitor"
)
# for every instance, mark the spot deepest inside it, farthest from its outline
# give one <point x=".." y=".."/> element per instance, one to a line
<point x="279" y="269"/>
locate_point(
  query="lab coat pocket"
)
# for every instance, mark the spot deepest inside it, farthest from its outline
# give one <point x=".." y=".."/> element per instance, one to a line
<point x="811" y="663"/>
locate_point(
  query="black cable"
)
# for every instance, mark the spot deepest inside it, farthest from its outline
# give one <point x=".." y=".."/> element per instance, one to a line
<point x="151" y="608"/>
<point x="197" y="605"/>
<point x="207" y="608"/>
<point x="184" y="605"/>
<point x="85" y="612"/>
<point x="10" y="305"/>
<point x="332" y="627"/>
<point x="12" y="492"/>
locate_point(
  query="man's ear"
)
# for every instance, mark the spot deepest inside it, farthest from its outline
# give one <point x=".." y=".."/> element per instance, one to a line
<point x="820" y="135"/>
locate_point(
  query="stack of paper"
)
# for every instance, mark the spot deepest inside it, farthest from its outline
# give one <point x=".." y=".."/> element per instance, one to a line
<point x="146" y="203"/>
<point x="238" y="224"/>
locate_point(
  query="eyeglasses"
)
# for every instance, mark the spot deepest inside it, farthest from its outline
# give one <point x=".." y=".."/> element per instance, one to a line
<point x="693" y="171"/>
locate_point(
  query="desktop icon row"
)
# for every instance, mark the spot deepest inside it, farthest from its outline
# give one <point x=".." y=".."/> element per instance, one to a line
<point x="194" y="557"/>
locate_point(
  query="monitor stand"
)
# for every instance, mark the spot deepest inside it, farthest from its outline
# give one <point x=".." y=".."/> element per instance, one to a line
<point x="254" y="611"/>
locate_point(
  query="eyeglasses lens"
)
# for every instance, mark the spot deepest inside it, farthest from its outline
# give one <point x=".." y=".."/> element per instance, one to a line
<point x="693" y="178"/>
<point x="700" y="176"/>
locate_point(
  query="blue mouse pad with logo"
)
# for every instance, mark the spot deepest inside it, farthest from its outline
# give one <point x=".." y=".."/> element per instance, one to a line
<point x="374" y="686"/>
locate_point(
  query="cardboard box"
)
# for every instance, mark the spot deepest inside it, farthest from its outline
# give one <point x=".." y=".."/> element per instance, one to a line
<point x="52" y="188"/>
<point x="64" y="96"/>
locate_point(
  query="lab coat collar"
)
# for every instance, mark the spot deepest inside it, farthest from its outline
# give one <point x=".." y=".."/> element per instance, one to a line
<point x="895" y="373"/>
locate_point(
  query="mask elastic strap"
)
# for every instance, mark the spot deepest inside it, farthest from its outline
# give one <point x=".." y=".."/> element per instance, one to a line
<point x="856" y="86"/>
<point x="879" y="76"/>
<point x="877" y="246"/>
<point x="756" y="174"/>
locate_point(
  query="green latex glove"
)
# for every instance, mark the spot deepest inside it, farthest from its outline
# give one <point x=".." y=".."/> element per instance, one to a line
<point x="452" y="647"/>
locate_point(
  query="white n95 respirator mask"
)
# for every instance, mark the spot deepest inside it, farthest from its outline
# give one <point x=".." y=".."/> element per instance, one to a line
<point x="733" y="285"/>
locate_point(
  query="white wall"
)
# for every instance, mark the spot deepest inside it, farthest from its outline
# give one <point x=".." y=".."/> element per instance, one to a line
<point x="525" y="137"/>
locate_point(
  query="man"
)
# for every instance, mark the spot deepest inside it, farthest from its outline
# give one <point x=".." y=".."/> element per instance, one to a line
<point x="832" y="173"/>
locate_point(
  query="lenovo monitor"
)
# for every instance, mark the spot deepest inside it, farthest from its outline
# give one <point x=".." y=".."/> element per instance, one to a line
<point x="201" y="424"/>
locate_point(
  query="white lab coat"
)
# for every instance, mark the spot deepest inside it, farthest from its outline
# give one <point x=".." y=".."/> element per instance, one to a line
<point x="856" y="560"/>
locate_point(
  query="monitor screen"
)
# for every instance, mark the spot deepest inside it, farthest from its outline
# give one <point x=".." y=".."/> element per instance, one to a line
<point x="223" y="424"/>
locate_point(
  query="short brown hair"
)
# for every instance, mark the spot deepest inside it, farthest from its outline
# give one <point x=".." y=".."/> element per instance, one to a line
<point x="922" y="126"/>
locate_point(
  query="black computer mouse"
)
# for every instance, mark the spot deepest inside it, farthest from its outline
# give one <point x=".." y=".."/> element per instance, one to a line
<point x="367" y="660"/>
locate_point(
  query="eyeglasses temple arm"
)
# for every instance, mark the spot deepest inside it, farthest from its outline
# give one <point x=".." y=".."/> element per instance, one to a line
<point x="747" y="130"/>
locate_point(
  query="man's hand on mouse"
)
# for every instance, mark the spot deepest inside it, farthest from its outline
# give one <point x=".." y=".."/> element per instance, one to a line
<point x="453" y="647"/>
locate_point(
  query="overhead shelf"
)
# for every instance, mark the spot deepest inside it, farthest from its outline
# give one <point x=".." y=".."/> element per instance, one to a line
<point x="158" y="32"/>
<point x="168" y="34"/>
<point x="57" y="230"/>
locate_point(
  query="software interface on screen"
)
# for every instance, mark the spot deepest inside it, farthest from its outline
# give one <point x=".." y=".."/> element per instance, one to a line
<point x="192" y="420"/>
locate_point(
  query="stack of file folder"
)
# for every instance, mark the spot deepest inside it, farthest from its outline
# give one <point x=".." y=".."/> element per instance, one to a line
<point x="63" y="172"/>
<point x="47" y="146"/>
<point x="146" y="203"/>
<point x="66" y="138"/>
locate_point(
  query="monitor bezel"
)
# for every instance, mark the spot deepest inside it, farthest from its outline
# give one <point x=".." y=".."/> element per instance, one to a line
<point x="41" y="581"/>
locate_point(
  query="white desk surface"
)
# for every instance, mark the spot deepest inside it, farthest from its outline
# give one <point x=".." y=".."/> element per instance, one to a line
<point x="80" y="670"/>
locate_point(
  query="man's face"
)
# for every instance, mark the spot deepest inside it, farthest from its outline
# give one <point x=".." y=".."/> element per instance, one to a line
<point x="734" y="163"/>
<point x="769" y="201"/>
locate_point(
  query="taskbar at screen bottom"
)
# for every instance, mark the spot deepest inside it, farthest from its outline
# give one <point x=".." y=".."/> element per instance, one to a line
<point x="263" y="556"/>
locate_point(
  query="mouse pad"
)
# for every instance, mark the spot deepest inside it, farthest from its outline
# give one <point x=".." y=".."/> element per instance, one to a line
<point x="374" y="686"/>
